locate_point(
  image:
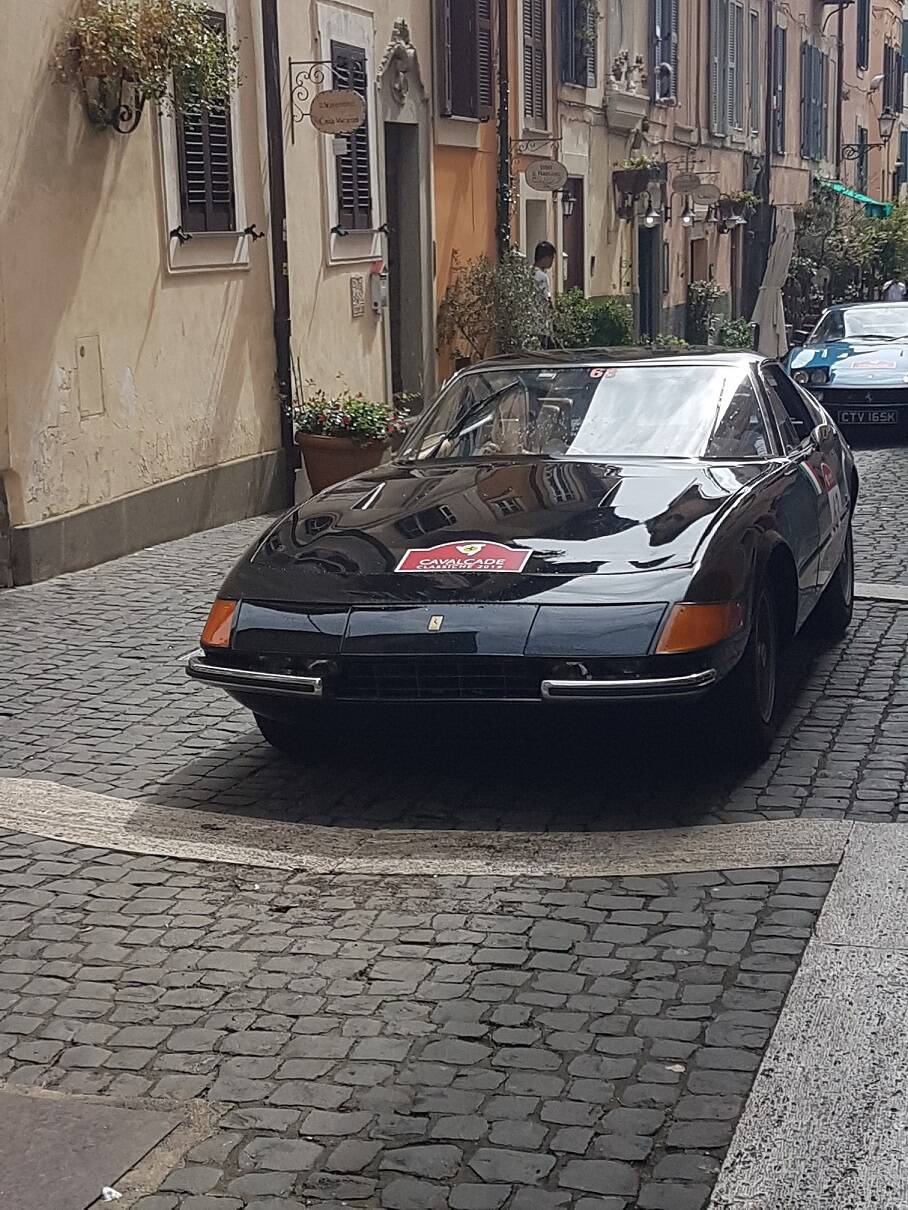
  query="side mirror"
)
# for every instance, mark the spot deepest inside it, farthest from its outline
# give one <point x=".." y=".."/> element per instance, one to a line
<point x="821" y="435"/>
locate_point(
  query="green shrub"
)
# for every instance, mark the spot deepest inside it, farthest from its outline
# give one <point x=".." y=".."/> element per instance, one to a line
<point x="735" y="334"/>
<point x="613" y="323"/>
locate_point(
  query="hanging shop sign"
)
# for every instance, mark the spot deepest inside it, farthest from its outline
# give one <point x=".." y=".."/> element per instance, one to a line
<point x="686" y="182"/>
<point x="337" y="111"/>
<point x="707" y="195"/>
<point x="546" y="176"/>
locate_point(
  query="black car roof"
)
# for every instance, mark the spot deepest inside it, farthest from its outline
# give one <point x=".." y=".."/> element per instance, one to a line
<point x="619" y="354"/>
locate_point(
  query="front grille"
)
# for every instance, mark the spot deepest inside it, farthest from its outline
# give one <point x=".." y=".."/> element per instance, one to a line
<point x="441" y="678"/>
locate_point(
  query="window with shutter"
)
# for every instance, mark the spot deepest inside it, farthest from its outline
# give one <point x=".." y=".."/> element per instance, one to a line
<point x="736" y="65"/>
<point x="863" y="34"/>
<point x="718" y="66"/>
<point x="665" y="50"/>
<point x="535" y="67"/>
<point x="814" y="103"/>
<point x="354" y="168"/>
<point x="205" y="158"/>
<point x="779" y="97"/>
<point x="466" y="82"/>
<point x="754" y="92"/>
<point x="861" y="164"/>
<point x="578" y="34"/>
<point x="902" y="169"/>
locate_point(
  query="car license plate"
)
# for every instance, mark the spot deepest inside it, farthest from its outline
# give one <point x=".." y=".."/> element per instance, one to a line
<point x="869" y="416"/>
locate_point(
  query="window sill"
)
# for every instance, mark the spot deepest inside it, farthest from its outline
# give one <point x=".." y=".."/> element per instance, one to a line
<point x="455" y="131"/>
<point x="355" y="248"/>
<point x="209" y="251"/>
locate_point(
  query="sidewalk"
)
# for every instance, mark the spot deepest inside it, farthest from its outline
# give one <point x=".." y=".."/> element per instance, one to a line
<point x="418" y="1042"/>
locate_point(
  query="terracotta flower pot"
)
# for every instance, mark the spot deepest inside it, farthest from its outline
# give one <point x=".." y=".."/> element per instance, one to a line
<point x="330" y="460"/>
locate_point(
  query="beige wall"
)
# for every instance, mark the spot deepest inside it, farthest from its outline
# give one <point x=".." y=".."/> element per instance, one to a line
<point x="326" y="337"/>
<point x="187" y="358"/>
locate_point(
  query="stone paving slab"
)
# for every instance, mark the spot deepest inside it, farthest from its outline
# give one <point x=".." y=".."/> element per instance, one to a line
<point x="826" y="1125"/>
<point x="881" y="542"/>
<point x="404" y="1042"/>
<point x="78" y="816"/>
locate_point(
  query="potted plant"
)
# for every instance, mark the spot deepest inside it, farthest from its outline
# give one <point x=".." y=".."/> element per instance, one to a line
<point x="631" y="177"/>
<point x="121" y="54"/>
<point x="341" y="434"/>
<point x="737" y="205"/>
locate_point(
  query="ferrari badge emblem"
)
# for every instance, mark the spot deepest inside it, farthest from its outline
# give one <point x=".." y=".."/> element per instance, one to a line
<point x="473" y="549"/>
<point x="436" y="623"/>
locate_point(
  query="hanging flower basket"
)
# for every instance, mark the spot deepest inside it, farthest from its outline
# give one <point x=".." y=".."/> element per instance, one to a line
<point x="342" y="435"/>
<point x="631" y="181"/>
<point x="121" y="54"/>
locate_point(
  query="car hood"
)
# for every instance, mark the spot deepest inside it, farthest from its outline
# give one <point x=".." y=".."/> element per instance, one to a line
<point x="556" y="518"/>
<point x="856" y="362"/>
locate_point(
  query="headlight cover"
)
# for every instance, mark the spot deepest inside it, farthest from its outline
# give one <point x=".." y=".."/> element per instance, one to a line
<point x="819" y="377"/>
<point x="801" y="377"/>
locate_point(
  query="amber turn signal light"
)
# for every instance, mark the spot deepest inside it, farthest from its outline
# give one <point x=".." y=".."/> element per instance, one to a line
<point x="693" y="627"/>
<point x="219" y="625"/>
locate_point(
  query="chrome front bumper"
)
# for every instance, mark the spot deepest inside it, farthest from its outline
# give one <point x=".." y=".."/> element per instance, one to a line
<point x="288" y="685"/>
<point x="631" y="689"/>
<point x="245" y="681"/>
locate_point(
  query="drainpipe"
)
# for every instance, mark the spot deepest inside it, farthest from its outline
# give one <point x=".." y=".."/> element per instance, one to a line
<point x="840" y="94"/>
<point x="278" y="201"/>
<point x="504" y="132"/>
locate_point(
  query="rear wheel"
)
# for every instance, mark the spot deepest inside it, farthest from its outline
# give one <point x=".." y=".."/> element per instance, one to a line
<point x="835" y="607"/>
<point x="749" y="699"/>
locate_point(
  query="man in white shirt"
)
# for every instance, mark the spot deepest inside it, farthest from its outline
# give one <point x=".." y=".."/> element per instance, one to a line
<point x="894" y="291"/>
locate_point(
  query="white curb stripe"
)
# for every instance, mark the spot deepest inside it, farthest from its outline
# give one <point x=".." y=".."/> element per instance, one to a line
<point x="45" y="809"/>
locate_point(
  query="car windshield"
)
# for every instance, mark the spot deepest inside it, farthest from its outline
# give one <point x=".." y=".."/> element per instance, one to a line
<point x="885" y="322"/>
<point x="658" y="410"/>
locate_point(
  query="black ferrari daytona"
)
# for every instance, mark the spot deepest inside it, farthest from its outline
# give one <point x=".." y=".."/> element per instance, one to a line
<point x="606" y="526"/>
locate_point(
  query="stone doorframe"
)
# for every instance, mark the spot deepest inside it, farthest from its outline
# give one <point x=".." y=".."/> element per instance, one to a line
<point x="403" y="99"/>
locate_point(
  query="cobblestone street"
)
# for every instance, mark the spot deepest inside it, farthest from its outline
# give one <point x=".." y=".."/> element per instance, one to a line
<point x="412" y="1042"/>
<point x="92" y="694"/>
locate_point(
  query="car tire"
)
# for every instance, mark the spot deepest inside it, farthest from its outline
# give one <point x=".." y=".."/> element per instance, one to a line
<point x="749" y="700"/>
<point x="287" y="738"/>
<point x="835" y="608"/>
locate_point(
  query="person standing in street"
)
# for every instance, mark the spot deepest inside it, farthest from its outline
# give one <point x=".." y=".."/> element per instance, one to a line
<point x="894" y="291"/>
<point x="542" y="266"/>
<point x="543" y="261"/>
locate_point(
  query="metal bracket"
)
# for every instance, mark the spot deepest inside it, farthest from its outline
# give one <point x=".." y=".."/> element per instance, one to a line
<point x="183" y="236"/>
<point x="306" y="78"/>
<point x="532" y="146"/>
<point x="253" y="232"/>
<point x="857" y="151"/>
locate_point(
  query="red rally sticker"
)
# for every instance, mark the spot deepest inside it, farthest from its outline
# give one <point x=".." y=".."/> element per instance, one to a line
<point x="466" y="556"/>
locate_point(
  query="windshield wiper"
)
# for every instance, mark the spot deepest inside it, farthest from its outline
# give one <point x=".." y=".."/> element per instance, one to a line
<point x="473" y="411"/>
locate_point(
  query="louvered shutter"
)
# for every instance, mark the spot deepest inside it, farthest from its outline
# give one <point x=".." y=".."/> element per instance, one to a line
<point x="734" y="79"/>
<point x="443" y="66"/>
<point x="484" y="59"/>
<point x="665" y="49"/>
<point x="805" y="100"/>
<point x="591" y="45"/>
<point x="823" y="149"/>
<point x="863" y="34"/>
<point x="673" y="57"/>
<point x="903" y="157"/>
<point x="567" y="39"/>
<point x="354" y="169"/>
<point x="535" y="75"/>
<point x="205" y="158"/>
<point x="754" y="71"/>
<point x="780" y="68"/>
<point x="718" y="67"/>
